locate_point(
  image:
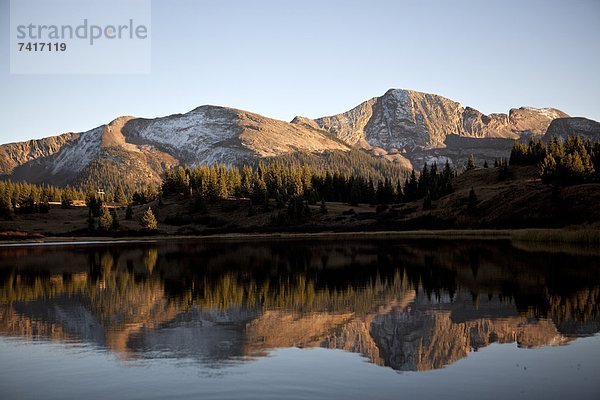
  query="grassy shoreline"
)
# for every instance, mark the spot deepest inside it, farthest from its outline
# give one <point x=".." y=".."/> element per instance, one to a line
<point x="581" y="236"/>
<point x="425" y="234"/>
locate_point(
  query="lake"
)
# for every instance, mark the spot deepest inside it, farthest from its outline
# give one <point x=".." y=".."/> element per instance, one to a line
<point x="299" y="319"/>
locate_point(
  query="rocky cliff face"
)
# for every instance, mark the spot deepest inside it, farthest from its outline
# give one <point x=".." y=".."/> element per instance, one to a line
<point x="406" y="121"/>
<point x="533" y="121"/>
<point x="563" y="127"/>
<point x="15" y="154"/>
<point x="400" y="119"/>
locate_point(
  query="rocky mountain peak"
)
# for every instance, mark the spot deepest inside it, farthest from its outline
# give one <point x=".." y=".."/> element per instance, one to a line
<point x="411" y="122"/>
<point x="533" y="121"/>
<point x="112" y="135"/>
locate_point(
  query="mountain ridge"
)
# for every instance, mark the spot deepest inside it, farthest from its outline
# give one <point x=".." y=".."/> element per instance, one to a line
<point x="206" y="135"/>
<point x="423" y="120"/>
<point x="405" y="127"/>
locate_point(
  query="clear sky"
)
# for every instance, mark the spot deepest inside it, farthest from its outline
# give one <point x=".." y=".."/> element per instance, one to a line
<point x="313" y="58"/>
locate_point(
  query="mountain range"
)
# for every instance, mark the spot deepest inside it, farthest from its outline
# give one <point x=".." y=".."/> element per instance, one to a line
<point x="404" y="127"/>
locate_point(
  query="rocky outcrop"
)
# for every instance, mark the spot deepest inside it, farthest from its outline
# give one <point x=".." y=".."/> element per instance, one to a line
<point x="563" y="127"/>
<point x="15" y="154"/>
<point x="407" y="121"/>
<point x="400" y="119"/>
<point x="533" y="121"/>
<point x="306" y="122"/>
<point x="483" y="126"/>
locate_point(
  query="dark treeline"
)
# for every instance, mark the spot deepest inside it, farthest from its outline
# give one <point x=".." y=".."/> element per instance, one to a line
<point x="577" y="160"/>
<point x="284" y="181"/>
<point x="27" y="197"/>
<point x="23" y="197"/>
<point x="350" y="163"/>
<point x="118" y="186"/>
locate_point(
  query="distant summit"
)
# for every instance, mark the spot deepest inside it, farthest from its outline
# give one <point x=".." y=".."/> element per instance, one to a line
<point x="407" y="120"/>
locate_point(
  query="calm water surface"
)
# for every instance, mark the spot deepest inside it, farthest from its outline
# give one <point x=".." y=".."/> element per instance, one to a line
<point x="375" y="319"/>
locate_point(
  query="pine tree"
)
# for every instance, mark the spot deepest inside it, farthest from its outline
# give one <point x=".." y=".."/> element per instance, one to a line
<point x="129" y="212"/>
<point x="182" y="181"/>
<point x="379" y="194"/>
<point x="518" y="154"/>
<point x="586" y="161"/>
<point x="95" y="205"/>
<point x="115" y="219"/>
<point x="6" y="207"/>
<point x="356" y="194"/>
<point x="485" y="164"/>
<point x="120" y="195"/>
<point x="246" y="182"/>
<point x="411" y="188"/>
<point x="574" y="166"/>
<point x="548" y="169"/>
<point x="43" y="206"/>
<point x="427" y="201"/>
<point x="298" y="210"/>
<point x="323" y="208"/>
<point x="471" y="163"/>
<point x="472" y="203"/>
<point x="399" y="194"/>
<point x="388" y="190"/>
<point x="105" y="220"/>
<point x="424" y="180"/>
<point x="259" y="190"/>
<point x="148" y="220"/>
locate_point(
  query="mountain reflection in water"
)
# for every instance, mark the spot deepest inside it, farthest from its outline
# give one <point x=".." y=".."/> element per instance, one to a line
<point x="411" y="306"/>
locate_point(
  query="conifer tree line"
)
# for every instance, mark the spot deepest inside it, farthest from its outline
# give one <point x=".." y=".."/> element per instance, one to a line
<point x="139" y="195"/>
<point x="284" y="181"/>
<point x="23" y="197"/>
<point x="27" y="197"/>
<point x="109" y="176"/>
<point x="354" y="162"/>
<point x="352" y="177"/>
<point x="577" y="160"/>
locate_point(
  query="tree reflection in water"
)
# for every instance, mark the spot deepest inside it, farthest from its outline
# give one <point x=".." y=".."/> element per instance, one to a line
<point x="413" y="305"/>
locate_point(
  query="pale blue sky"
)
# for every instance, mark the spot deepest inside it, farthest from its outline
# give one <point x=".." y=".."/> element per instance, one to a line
<point x="315" y="58"/>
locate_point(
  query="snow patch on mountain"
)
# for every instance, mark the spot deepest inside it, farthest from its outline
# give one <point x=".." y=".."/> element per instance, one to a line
<point x="73" y="159"/>
<point x="192" y="132"/>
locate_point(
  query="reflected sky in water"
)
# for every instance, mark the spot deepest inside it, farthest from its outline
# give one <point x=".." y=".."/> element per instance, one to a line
<point x="299" y="319"/>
